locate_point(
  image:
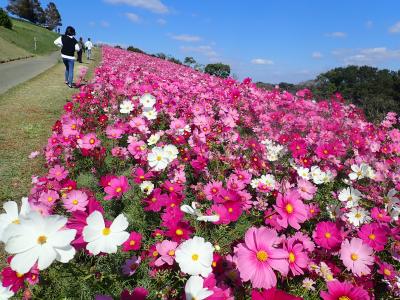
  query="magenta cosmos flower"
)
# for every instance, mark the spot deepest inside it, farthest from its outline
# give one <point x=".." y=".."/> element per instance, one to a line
<point x="291" y="209"/>
<point x="116" y="187"/>
<point x="76" y="200"/>
<point x="374" y="235"/>
<point x="258" y="257"/>
<point x="327" y="235"/>
<point x="344" y="291"/>
<point x="357" y="256"/>
<point x="89" y="141"/>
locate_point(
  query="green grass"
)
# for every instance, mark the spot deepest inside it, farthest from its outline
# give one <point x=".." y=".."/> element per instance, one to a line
<point x="27" y="113"/>
<point x="20" y="40"/>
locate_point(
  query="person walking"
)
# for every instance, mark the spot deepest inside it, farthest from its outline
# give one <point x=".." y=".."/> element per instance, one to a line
<point x="88" y="46"/>
<point x="68" y="45"/>
<point x="81" y="45"/>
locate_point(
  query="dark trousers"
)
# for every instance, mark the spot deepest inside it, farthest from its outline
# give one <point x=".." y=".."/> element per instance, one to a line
<point x="69" y="70"/>
<point x="80" y="56"/>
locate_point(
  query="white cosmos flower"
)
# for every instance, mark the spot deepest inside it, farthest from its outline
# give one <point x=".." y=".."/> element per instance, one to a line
<point x="254" y="183"/>
<point x="351" y="196"/>
<point x="359" y="171"/>
<point x="268" y="180"/>
<point x="147" y="187"/>
<point x="358" y="216"/>
<point x="12" y="216"/>
<point x="153" y="139"/>
<point x="194" y="289"/>
<point x="126" y="107"/>
<point x="5" y="292"/>
<point x="150" y="114"/>
<point x="392" y="205"/>
<point x="158" y="159"/>
<point x="147" y="100"/>
<point x="104" y="239"/>
<point x="193" y="210"/>
<point x="171" y="151"/>
<point x="317" y="175"/>
<point x="195" y="256"/>
<point x="41" y="240"/>
<point x="303" y="173"/>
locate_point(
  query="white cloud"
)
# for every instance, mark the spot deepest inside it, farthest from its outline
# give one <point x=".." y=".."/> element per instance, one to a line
<point x="186" y="38"/>
<point x="262" y="61"/>
<point x="92" y="23"/>
<point x="369" y="24"/>
<point x="336" y="34"/>
<point x="203" y="49"/>
<point x="104" y="24"/>
<point x="155" y="6"/>
<point x="395" y="28"/>
<point x="161" y="21"/>
<point x="133" y="17"/>
<point x="368" y="56"/>
<point x="316" y="55"/>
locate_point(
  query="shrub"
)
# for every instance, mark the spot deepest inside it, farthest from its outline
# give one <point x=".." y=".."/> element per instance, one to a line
<point x="5" y="20"/>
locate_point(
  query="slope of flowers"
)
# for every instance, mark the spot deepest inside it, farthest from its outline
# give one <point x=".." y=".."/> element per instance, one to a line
<point x="167" y="183"/>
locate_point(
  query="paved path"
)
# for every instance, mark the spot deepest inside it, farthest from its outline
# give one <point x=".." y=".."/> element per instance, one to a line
<point x="16" y="72"/>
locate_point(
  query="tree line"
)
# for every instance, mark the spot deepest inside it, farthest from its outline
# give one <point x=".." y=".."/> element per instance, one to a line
<point x="33" y="11"/>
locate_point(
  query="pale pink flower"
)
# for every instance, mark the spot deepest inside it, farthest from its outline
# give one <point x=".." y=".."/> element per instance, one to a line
<point x="357" y="256"/>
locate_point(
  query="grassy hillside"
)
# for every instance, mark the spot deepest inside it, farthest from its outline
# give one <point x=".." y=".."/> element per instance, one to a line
<point x="19" y="41"/>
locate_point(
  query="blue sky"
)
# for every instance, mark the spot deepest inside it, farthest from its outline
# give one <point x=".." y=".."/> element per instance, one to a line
<point x="270" y="41"/>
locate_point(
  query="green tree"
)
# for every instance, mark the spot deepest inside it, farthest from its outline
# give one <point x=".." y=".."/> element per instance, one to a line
<point x="53" y="17"/>
<point x="5" y="20"/>
<point x="22" y="8"/>
<point x="174" y="60"/>
<point x="189" y="61"/>
<point x="134" y="49"/>
<point x="160" y="55"/>
<point x="218" y="69"/>
<point x="38" y="12"/>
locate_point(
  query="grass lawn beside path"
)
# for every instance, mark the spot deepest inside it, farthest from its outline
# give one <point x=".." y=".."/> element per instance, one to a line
<point x="27" y="113"/>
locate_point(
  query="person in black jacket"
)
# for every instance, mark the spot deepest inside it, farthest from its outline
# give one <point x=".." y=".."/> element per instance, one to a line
<point x="81" y="46"/>
<point x="68" y="45"/>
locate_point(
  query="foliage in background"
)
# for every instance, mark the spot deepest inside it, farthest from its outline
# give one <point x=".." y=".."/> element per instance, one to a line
<point x="5" y="20"/>
<point x="218" y="69"/>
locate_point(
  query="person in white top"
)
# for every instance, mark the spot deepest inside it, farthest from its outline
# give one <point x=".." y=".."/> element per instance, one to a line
<point x="88" y="46"/>
<point x="68" y="45"/>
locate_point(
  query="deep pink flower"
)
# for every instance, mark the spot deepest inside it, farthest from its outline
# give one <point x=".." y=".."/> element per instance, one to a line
<point x="357" y="256"/>
<point x="12" y="279"/>
<point x="380" y="215"/>
<point x="212" y="189"/>
<point x="343" y="290"/>
<point x="221" y="211"/>
<point x="156" y="200"/>
<point x="324" y="150"/>
<point x="166" y="250"/>
<point x="291" y="209"/>
<point x="179" y="231"/>
<point x="258" y="256"/>
<point x="374" y="235"/>
<point x="138" y="293"/>
<point x="140" y="175"/>
<point x="327" y="235"/>
<point x="387" y="270"/>
<point x="298" y="148"/>
<point x="133" y="242"/>
<point x="234" y="210"/>
<point x="116" y="187"/>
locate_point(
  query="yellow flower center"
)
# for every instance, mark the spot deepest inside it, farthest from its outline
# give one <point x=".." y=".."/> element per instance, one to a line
<point x="195" y="257"/>
<point x="75" y="202"/>
<point x="262" y="255"/>
<point x="171" y="252"/>
<point x="344" y="298"/>
<point x="154" y="199"/>
<point x="19" y="275"/>
<point x="106" y="231"/>
<point x="372" y="236"/>
<point x="91" y="141"/>
<point x="328" y="235"/>
<point x="16" y="221"/>
<point x="357" y="215"/>
<point x="289" y="208"/>
<point x="387" y="272"/>
<point x="118" y="189"/>
<point x="49" y="199"/>
<point x="155" y="253"/>
<point x="292" y="258"/>
<point x="230" y="209"/>
<point x="132" y="243"/>
<point x="159" y="157"/>
<point x="179" y="232"/>
<point x="42" y="240"/>
<point x="354" y="256"/>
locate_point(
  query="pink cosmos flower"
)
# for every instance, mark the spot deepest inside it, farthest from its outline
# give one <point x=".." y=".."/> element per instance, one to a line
<point x="113" y="132"/>
<point x="133" y="242"/>
<point x="212" y="189"/>
<point x="380" y="215"/>
<point x="221" y="211"/>
<point x="76" y="200"/>
<point x="357" y="256"/>
<point x="291" y="209"/>
<point x="58" y="173"/>
<point x="49" y="198"/>
<point x="324" y="150"/>
<point x="234" y="210"/>
<point x="166" y="250"/>
<point x="258" y="256"/>
<point x="373" y="235"/>
<point x="89" y="141"/>
<point x="137" y="149"/>
<point x="298" y="148"/>
<point x="156" y="200"/>
<point x="327" y="235"/>
<point x="344" y="290"/>
<point x="298" y="260"/>
<point x="140" y="175"/>
<point x="306" y="189"/>
<point x="272" y="294"/>
<point x="116" y="187"/>
<point x="138" y="293"/>
<point x="387" y="270"/>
